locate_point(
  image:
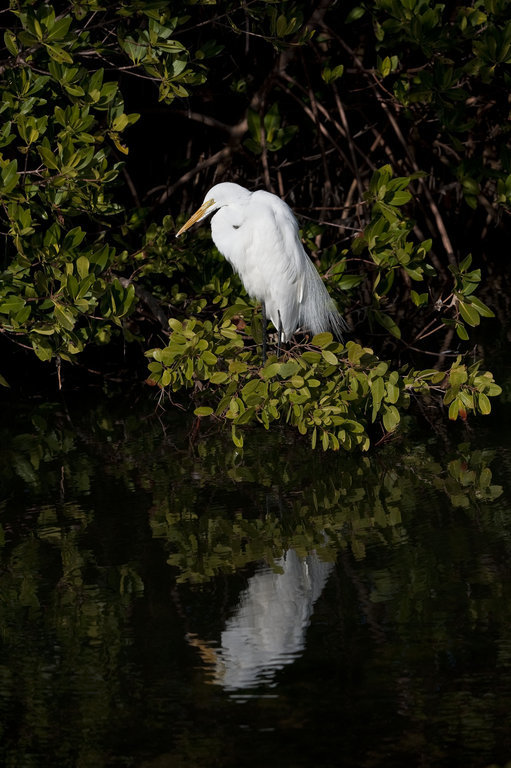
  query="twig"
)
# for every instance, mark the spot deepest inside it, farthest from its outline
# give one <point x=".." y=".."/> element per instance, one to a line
<point x="131" y="186"/>
<point x="222" y="154"/>
<point x="347" y="133"/>
<point x="235" y="131"/>
<point x="148" y="299"/>
<point x="327" y="187"/>
<point x="264" y="158"/>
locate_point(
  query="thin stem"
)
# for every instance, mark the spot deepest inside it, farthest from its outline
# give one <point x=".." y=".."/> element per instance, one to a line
<point x="263" y="311"/>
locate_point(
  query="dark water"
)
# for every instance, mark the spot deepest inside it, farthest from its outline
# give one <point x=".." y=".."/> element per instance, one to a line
<point x="169" y="602"/>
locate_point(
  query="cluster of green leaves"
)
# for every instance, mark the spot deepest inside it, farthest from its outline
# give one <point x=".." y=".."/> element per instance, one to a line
<point x="458" y="53"/>
<point x="278" y="23"/>
<point x="468" y="389"/>
<point x="58" y="119"/>
<point x="303" y="391"/>
<point x="470" y="308"/>
<point x="63" y="126"/>
<point x="389" y="245"/>
<point x="330" y="392"/>
<point x="163" y="57"/>
<point x="397" y="258"/>
<point x="268" y="129"/>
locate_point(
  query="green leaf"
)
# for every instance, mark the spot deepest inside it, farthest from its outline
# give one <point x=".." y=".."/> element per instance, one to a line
<point x="203" y="411"/>
<point x="237" y="437"/>
<point x="483" y="403"/>
<point x="11" y="304"/>
<point x="400" y="198"/>
<point x="355" y="13"/>
<point x="218" y="377"/>
<point x="9" y="176"/>
<point x="42" y="349"/>
<point x="247" y="416"/>
<point x="270" y="370"/>
<point x="48" y="157"/>
<point x="59" y="55"/>
<point x="331" y="75"/>
<point x="483" y="310"/>
<point x="271" y="121"/>
<point x="461" y="331"/>
<point x="377" y="393"/>
<point x="59" y="29"/>
<point x="209" y="358"/>
<point x="254" y="126"/>
<point x="458" y="376"/>
<point x="329" y="357"/>
<point x="393" y="392"/>
<point x="166" y="378"/>
<point x="419" y="299"/>
<point x="454" y="409"/>
<point x="350" y="281"/>
<point x="65" y="317"/>
<point x="388" y="323"/>
<point x="82" y="266"/>
<point x="11" y="42"/>
<point x="391" y="417"/>
<point x="281" y="27"/>
<point x="72" y="286"/>
<point x="322" y="339"/>
<point x="120" y="122"/>
<point x="311" y="357"/>
<point x="469" y="313"/>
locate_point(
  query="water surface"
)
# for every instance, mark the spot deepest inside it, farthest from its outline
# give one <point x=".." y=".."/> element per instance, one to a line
<point x="170" y="602"/>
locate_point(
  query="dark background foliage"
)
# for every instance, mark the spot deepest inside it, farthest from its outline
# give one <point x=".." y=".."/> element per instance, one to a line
<point x="118" y="118"/>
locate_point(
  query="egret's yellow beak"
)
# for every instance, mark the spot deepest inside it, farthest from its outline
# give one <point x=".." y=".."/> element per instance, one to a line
<point x="196" y="216"/>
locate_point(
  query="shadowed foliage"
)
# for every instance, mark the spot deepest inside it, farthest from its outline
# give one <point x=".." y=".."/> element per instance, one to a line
<point x="384" y="127"/>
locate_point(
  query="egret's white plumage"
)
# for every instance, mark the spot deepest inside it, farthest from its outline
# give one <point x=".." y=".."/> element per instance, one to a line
<point x="258" y="235"/>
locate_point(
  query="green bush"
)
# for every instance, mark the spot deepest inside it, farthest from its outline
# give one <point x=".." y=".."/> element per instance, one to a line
<point x="85" y="233"/>
<point x="332" y="392"/>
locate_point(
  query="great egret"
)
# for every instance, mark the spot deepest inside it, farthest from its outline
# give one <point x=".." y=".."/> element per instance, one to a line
<point x="258" y="235"/>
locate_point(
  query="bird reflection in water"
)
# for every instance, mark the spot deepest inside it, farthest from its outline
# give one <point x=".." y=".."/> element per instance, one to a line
<point x="268" y="628"/>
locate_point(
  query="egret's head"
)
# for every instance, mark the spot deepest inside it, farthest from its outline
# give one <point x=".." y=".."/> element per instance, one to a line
<point x="226" y="193"/>
<point x="207" y="207"/>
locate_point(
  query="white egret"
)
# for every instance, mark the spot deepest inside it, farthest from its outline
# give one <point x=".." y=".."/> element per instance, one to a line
<point x="258" y="235"/>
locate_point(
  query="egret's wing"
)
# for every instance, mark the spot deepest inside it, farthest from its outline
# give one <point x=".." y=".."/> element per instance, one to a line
<point x="287" y="254"/>
<point x="278" y="253"/>
<point x="312" y="306"/>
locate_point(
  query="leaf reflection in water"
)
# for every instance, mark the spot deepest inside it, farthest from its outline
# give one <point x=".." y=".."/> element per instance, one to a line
<point x="268" y="628"/>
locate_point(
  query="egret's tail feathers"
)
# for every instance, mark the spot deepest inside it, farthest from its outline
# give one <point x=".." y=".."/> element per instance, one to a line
<point x="338" y="324"/>
<point x="318" y="312"/>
